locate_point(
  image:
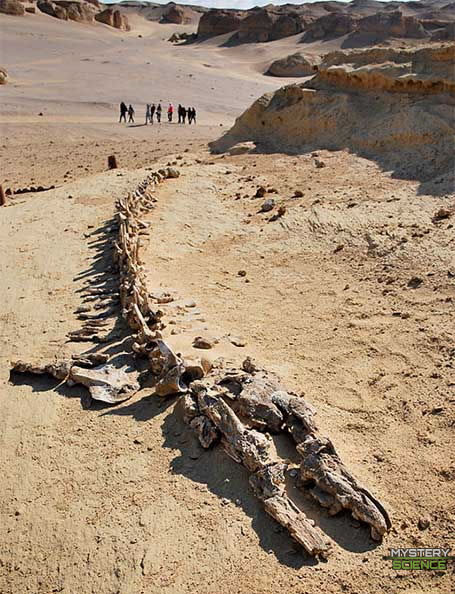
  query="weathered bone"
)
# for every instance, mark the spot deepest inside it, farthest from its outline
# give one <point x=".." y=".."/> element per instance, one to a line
<point x="268" y="486"/>
<point x="60" y="370"/>
<point x="106" y="382"/>
<point x="321" y="464"/>
<point x="210" y="407"/>
<point x="252" y="450"/>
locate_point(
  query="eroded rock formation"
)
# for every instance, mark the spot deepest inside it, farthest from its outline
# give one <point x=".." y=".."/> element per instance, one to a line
<point x="12" y="7"/>
<point x="331" y="25"/>
<point x="68" y="10"/>
<point x="297" y="64"/>
<point x="178" y="15"/>
<point x="113" y="18"/>
<point x="391" y="24"/>
<point x="3" y="76"/>
<point x="410" y="128"/>
<point x="267" y="25"/>
<point x="219" y="22"/>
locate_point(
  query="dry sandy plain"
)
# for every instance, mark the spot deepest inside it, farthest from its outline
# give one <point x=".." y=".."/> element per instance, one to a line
<point x="121" y="500"/>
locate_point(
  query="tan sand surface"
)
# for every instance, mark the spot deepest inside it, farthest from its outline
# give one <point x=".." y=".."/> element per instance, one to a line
<point x="122" y="500"/>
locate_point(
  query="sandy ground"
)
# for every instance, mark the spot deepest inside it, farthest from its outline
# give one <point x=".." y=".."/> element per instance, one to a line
<point x="122" y="500"/>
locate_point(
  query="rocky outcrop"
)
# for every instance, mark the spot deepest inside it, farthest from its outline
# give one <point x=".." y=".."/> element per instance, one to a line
<point x="294" y="65"/>
<point x="374" y="55"/>
<point x="113" y="18"/>
<point x="3" y="76"/>
<point x="268" y="25"/>
<point x="52" y="9"/>
<point x="68" y="10"/>
<point x="84" y="12"/>
<point x="287" y="25"/>
<point x="12" y="7"/>
<point x="219" y="22"/>
<point x="445" y="34"/>
<point x="77" y="11"/>
<point x="399" y="114"/>
<point x="392" y="24"/>
<point x="178" y="15"/>
<point x="331" y="25"/>
<point x="373" y="28"/>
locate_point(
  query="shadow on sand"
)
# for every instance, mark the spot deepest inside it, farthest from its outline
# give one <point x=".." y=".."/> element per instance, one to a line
<point x="230" y="482"/>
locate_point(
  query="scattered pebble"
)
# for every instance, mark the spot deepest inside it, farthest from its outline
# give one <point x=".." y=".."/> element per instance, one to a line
<point x="260" y="192"/>
<point x="204" y="342"/>
<point x="415" y="282"/>
<point x="237" y="341"/>
<point x="268" y="205"/>
<point x="424" y="522"/>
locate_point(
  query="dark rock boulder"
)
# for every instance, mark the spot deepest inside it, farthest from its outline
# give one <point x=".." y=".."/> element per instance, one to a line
<point x="334" y="24"/>
<point x="77" y="11"/>
<point x="52" y="9"/>
<point x="178" y="15"/>
<point x="392" y="24"/>
<point x="294" y="65"/>
<point x="219" y="22"/>
<point x="113" y="18"/>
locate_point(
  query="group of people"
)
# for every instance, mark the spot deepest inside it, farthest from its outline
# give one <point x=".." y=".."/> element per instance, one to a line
<point x="184" y="113"/>
<point x="124" y="110"/>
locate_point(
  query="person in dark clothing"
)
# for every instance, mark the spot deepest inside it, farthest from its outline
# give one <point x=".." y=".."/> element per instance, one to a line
<point x="158" y="113"/>
<point x="183" y="115"/>
<point x="194" y="116"/>
<point x="179" y="111"/>
<point x="152" y="112"/>
<point x="191" y="115"/>
<point x="123" y="112"/>
<point x="130" y="114"/>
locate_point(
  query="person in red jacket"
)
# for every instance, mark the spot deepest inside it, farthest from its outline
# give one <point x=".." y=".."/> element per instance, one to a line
<point x="170" y="112"/>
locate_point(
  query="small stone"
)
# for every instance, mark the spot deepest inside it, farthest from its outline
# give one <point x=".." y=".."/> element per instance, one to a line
<point x="319" y="164"/>
<point x="268" y="205"/>
<point x="237" y="341"/>
<point x="172" y="173"/>
<point x="441" y="214"/>
<point x="241" y="272"/>
<point x="424" y="522"/>
<point x="204" y="342"/>
<point x="260" y="192"/>
<point x="249" y="366"/>
<point x="298" y="194"/>
<point x="415" y="282"/>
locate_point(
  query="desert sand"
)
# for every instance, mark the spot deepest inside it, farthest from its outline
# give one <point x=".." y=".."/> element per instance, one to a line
<point x="348" y="297"/>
